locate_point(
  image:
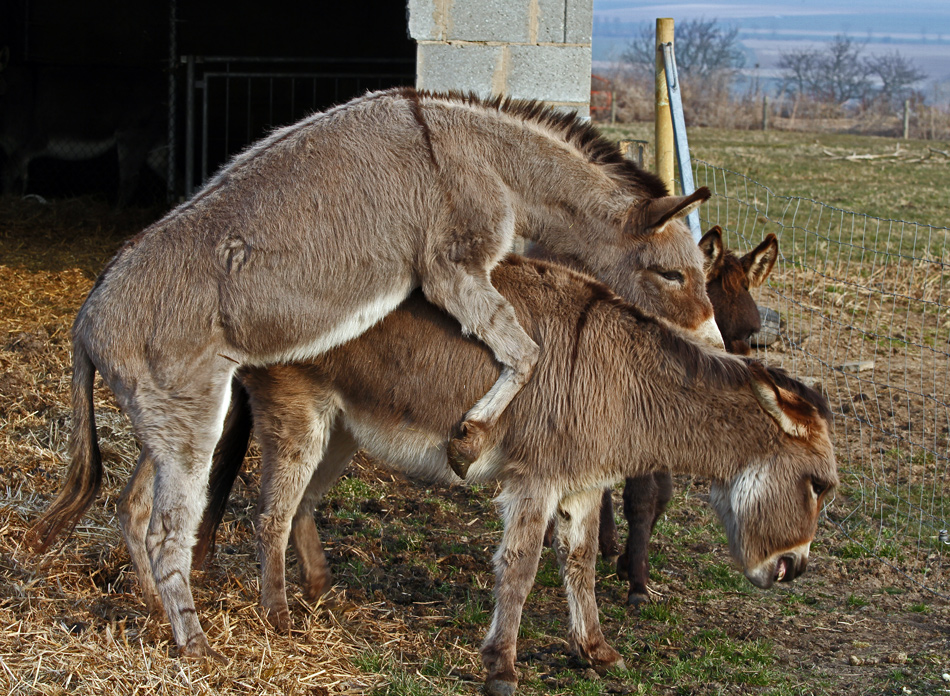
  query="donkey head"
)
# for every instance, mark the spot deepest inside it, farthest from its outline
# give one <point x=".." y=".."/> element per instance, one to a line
<point x="728" y="281"/>
<point x="660" y="268"/>
<point x="770" y="509"/>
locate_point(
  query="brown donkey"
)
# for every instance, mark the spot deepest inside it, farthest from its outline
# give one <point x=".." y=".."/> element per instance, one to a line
<point x="307" y="239"/>
<point x="614" y="392"/>
<point x="659" y="280"/>
<point x="728" y="281"/>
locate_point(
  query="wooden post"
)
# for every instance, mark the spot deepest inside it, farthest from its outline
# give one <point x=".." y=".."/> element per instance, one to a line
<point x="906" y="118"/>
<point x="613" y="107"/>
<point x="663" y="120"/>
<point x="765" y="112"/>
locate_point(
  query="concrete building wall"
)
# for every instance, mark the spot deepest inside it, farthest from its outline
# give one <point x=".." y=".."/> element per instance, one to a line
<point x="528" y="49"/>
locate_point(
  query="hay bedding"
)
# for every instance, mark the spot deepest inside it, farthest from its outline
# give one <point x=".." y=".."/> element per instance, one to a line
<point x="413" y="598"/>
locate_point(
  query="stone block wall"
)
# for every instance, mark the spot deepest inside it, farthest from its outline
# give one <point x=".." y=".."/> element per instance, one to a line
<point x="528" y="49"/>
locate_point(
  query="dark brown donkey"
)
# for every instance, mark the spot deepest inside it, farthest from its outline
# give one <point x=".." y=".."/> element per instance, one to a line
<point x="307" y="239"/>
<point x="607" y="375"/>
<point x="729" y="279"/>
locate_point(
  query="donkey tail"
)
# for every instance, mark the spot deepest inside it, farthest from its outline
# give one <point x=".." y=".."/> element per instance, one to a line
<point x="226" y="465"/>
<point x="85" y="468"/>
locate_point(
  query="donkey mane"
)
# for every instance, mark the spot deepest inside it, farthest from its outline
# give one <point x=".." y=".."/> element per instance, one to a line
<point x="716" y="369"/>
<point x="582" y="135"/>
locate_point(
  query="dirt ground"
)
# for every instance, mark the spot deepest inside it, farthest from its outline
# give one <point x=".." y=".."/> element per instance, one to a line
<point x="412" y="563"/>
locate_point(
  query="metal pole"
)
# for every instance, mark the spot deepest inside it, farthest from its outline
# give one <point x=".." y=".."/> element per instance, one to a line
<point x="663" y="126"/>
<point x="679" y="133"/>
<point x="906" y="119"/>
<point x="765" y="112"/>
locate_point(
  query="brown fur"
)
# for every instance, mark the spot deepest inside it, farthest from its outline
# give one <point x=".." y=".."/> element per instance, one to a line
<point x="580" y="423"/>
<point x="304" y="241"/>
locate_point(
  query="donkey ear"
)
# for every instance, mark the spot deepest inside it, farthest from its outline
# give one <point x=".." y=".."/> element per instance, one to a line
<point x="658" y="212"/>
<point x="759" y="262"/>
<point x="792" y="413"/>
<point x="711" y="246"/>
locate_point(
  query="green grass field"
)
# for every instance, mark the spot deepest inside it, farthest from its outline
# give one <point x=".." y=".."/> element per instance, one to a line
<point x="902" y="179"/>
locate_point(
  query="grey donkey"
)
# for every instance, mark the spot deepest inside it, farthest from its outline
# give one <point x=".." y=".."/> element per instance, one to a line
<point x="306" y="240"/>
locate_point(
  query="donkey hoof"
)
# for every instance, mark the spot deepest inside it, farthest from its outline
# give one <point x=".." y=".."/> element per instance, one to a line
<point x="198" y="647"/>
<point x="456" y="461"/>
<point x="635" y="599"/>
<point x="313" y="590"/>
<point x="279" y="619"/>
<point x="466" y="447"/>
<point x="618" y="664"/>
<point x="497" y="687"/>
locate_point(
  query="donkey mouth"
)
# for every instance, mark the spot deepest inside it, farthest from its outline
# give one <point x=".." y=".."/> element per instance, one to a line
<point x="785" y="569"/>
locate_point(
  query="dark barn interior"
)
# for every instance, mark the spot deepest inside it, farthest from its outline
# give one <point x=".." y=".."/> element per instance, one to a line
<point x="74" y="75"/>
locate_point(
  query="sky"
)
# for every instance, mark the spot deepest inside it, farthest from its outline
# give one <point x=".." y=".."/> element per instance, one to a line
<point x="918" y="29"/>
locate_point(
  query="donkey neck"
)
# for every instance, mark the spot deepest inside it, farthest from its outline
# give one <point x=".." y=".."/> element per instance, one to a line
<point x="574" y="191"/>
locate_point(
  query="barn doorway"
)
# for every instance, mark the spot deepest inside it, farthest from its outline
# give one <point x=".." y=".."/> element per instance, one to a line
<point x="215" y="75"/>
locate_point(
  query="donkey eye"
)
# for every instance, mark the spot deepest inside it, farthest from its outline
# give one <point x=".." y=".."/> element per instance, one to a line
<point x="672" y="276"/>
<point x="819" y="487"/>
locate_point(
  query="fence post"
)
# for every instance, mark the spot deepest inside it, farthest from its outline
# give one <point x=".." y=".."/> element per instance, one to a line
<point x="663" y="121"/>
<point x="613" y="107"/>
<point x="765" y="112"/>
<point x="906" y="119"/>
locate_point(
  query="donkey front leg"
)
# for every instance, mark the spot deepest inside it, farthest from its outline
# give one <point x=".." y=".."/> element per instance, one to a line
<point x="516" y="564"/>
<point x="484" y="313"/>
<point x="644" y="500"/>
<point x="578" y="519"/>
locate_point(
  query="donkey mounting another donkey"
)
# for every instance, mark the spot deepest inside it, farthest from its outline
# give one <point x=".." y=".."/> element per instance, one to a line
<point x="607" y="376"/>
<point x="306" y="240"/>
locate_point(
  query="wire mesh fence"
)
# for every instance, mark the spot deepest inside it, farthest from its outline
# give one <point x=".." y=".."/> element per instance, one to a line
<point x="865" y="316"/>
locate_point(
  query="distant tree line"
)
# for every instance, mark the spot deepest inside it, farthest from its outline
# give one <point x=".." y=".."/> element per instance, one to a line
<point x="837" y="73"/>
<point x="840" y="73"/>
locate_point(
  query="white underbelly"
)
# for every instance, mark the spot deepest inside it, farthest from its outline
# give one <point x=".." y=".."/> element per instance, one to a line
<point x="349" y="327"/>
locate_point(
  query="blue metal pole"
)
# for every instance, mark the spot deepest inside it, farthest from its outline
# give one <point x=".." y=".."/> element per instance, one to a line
<point x="679" y="134"/>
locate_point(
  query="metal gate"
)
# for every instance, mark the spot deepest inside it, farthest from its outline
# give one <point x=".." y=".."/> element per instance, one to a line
<point x="232" y="102"/>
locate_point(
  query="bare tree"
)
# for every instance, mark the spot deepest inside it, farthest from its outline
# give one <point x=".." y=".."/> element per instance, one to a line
<point x="703" y="48"/>
<point x="840" y="73"/>
<point x="847" y="75"/>
<point x="897" y="75"/>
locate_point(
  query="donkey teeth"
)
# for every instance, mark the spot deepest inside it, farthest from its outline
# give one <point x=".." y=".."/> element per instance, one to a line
<point x="780" y="570"/>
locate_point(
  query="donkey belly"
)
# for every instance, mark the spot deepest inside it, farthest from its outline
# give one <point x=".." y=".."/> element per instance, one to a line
<point x="414" y="451"/>
<point x="300" y="320"/>
<point x="329" y="329"/>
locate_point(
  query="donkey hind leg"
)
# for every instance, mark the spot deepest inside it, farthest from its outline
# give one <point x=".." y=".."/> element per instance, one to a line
<point x="180" y="440"/>
<point x="607" y="535"/>
<point x="293" y="442"/>
<point x="578" y="518"/>
<point x="516" y="564"/>
<point x="134" y="511"/>
<point x="484" y="313"/>
<point x="315" y="578"/>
